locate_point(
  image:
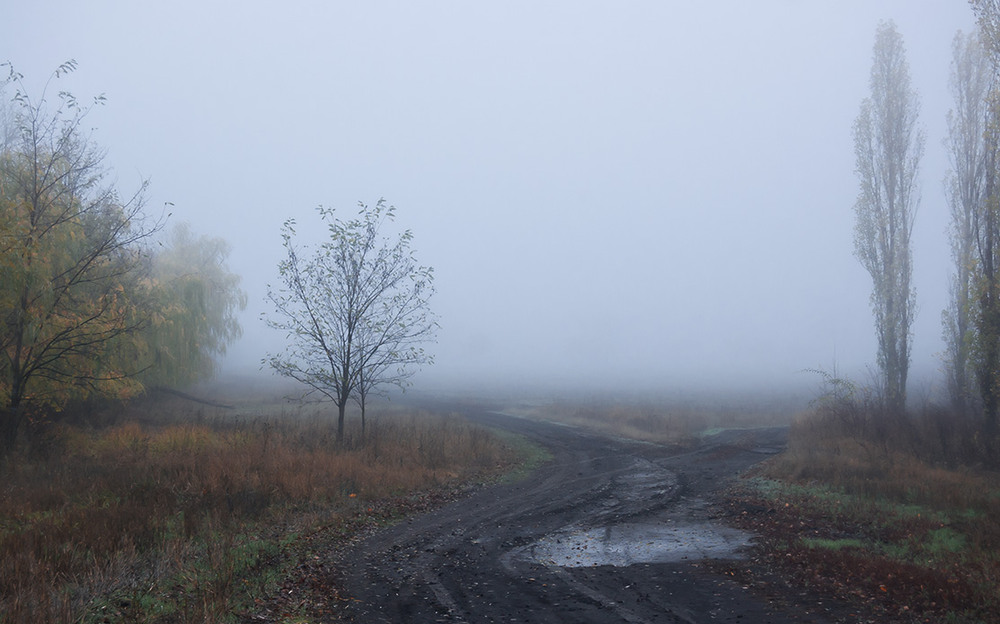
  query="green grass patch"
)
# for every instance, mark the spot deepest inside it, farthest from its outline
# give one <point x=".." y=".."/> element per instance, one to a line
<point x="530" y="454"/>
<point x="833" y="544"/>
<point x="711" y="431"/>
<point x="838" y="502"/>
<point x="944" y="542"/>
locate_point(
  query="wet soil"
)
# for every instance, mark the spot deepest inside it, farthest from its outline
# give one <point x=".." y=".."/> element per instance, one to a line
<point x="609" y="530"/>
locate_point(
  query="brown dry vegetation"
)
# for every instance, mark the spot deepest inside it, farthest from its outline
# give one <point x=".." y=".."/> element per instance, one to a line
<point x="174" y="515"/>
<point x="897" y="515"/>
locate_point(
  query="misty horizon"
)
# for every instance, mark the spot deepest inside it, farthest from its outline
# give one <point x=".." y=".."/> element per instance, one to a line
<point x="649" y="195"/>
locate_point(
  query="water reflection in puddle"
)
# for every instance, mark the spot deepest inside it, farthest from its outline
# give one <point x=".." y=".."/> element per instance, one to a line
<point x="627" y="544"/>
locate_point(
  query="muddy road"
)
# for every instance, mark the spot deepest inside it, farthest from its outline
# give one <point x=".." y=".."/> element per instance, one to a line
<point x="608" y="531"/>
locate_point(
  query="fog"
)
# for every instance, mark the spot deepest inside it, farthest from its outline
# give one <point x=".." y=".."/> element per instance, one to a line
<point x="643" y="194"/>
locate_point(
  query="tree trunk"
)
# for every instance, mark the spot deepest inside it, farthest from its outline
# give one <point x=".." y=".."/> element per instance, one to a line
<point x="10" y="425"/>
<point x="341" y="408"/>
<point x="989" y="332"/>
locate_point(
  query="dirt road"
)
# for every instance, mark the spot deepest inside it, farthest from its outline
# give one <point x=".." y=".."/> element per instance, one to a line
<point x="608" y="531"/>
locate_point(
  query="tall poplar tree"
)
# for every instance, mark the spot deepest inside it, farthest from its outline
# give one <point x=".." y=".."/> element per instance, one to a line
<point x="888" y="146"/>
<point x="965" y="186"/>
<point x="986" y="352"/>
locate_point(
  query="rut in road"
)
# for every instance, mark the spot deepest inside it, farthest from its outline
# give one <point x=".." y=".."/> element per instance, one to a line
<point x="565" y="544"/>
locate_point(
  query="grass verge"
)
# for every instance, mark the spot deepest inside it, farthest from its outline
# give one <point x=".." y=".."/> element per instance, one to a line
<point x="872" y="524"/>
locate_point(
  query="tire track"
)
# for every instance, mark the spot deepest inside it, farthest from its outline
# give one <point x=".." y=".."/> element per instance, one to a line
<point x="470" y="561"/>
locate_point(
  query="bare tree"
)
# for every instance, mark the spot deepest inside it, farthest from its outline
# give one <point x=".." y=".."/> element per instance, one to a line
<point x="390" y="340"/>
<point x="888" y="147"/>
<point x="355" y="312"/>
<point x="971" y="82"/>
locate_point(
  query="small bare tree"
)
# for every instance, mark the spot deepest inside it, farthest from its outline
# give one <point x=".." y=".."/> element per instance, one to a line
<point x="356" y="311"/>
<point x="888" y="147"/>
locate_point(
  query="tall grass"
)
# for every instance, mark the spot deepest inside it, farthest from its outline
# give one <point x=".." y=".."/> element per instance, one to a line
<point x="185" y="521"/>
<point x="932" y="457"/>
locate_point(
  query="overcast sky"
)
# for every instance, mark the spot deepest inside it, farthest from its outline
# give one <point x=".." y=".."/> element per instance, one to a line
<point x="645" y="192"/>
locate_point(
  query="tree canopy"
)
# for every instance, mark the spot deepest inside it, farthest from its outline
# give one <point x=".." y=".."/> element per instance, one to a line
<point x="194" y="307"/>
<point x="71" y="260"/>
<point x="88" y="306"/>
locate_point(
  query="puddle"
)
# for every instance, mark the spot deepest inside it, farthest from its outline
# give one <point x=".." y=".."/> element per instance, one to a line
<point x="628" y="544"/>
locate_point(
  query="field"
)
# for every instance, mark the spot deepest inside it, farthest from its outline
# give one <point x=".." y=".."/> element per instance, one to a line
<point x="677" y="420"/>
<point x="170" y="511"/>
<point x="166" y="510"/>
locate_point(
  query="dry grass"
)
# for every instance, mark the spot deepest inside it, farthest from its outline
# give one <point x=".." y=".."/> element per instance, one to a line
<point x="901" y="513"/>
<point x="190" y="521"/>
<point x="932" y="459"/>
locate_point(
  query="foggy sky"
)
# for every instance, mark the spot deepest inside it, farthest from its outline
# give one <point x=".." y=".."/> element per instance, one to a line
<point x="652" y="193"/>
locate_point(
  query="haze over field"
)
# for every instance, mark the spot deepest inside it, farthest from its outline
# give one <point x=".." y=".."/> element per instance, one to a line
<point x="656" y="193"/>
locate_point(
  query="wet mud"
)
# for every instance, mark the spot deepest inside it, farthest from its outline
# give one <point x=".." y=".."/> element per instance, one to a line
<point x="628" y="544"/>
<point x="608" y="531"/>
